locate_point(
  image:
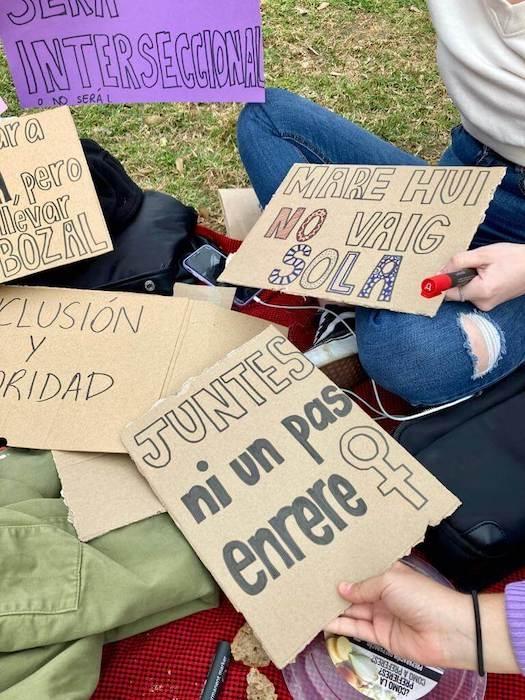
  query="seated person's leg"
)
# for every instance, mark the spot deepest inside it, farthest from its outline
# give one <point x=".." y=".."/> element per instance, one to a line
<point x="461" y="351"/>
<point x="290" y="129"/>
<point x="432" y="361"/>
<point x="426" y="361"/>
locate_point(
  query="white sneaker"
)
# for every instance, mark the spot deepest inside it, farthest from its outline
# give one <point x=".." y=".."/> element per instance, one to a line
<point x="335" y="347"/>
<point x="335" y="338"/>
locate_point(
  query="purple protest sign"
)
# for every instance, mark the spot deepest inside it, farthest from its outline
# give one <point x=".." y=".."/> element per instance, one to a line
<point x="98" y="51"/>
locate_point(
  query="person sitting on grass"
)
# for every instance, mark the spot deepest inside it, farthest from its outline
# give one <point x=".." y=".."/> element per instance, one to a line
<point x="479" y="337"/>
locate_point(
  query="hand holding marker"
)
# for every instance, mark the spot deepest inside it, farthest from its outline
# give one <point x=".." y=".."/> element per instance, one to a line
<point x="434" y="286"/>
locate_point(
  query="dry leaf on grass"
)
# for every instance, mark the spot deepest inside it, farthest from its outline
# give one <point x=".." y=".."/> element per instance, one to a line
<point x="152" y="119"/>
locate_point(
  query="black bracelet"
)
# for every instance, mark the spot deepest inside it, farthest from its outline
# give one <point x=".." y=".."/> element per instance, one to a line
<point x="479" y="637"/>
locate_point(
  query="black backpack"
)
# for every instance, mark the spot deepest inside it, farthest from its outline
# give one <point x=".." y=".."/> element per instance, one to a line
<point x="119" y="197"/>
<point x="476" y="450"/>
<point x="151" y="232"/>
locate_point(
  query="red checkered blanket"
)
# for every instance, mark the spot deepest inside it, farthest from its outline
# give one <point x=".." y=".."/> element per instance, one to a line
<point x="171" y="662"/>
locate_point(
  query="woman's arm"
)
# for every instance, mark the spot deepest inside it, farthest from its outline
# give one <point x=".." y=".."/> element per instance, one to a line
<point x="419" y="619"/>
<point x="515" y="606"/>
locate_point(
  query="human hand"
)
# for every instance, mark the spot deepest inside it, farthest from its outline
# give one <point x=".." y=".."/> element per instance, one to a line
<point x="416" y="618"/>
<point x="501" y="274"/>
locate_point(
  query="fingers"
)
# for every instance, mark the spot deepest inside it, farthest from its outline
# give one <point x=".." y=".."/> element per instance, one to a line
<point x="454" y="294"/>
<point x="368" y="591"/>
<point x="476" y="292"/>
<point x="470" y="258"/>
<point x="360" y="611"/>
<point x="371" y="590"/>
<point x="346" y="627"/>
<point x="459" y="294"/>
<point x="467" y="293"/>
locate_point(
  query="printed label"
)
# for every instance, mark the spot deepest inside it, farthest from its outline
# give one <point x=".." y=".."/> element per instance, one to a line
<point x="377" y="674"/>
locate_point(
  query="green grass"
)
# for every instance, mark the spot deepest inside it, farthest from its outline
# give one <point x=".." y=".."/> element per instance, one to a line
<point x="370" y="60"/>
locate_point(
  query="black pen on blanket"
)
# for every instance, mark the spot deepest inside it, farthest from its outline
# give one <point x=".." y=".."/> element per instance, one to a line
<point x="217" y="672"/>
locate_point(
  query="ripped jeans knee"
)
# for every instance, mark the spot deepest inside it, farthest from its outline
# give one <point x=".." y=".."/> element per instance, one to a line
<point x="484" y="341"/>
<point x="434" y="361"/>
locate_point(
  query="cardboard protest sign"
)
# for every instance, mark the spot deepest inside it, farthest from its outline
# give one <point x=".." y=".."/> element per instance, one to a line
<point x="76" y="366"/>
<point x="49" y="211"/>
<point x="103" y="492"/>
<point x="241" y="211"/>
<point x="221" y="296"/>
<point x="364" y="235"/>
<point x="98" y="51"/>
<point x="283" y="486"/>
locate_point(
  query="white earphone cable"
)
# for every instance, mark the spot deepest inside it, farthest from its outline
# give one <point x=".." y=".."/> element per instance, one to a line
<point x="381" y="411"/>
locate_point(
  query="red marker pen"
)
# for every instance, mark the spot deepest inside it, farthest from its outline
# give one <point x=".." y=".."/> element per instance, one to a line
<point x="434" y="286"/>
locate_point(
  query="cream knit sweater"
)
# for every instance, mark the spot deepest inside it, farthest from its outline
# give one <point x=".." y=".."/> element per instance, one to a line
<point x="481" y="56"/>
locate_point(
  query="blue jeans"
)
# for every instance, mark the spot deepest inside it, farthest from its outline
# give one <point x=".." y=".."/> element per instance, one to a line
<point x="427" y="361"/>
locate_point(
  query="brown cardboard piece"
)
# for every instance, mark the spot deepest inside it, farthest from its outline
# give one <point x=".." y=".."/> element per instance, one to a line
<point x="283" y="487"/>
<point x="103" y="492"/>
<point x="49" y="211"/>
<point x="364" y="235"/>
<point x="220" y="296"/>
<point x="241" y="211"/>
<point x="78" y="365"/>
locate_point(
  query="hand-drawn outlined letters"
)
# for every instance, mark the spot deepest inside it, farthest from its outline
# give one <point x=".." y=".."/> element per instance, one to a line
<point x="281" y="483"/>
<point x="364" y="235"/>
<point x="49" y="211"/>
<point x="100" y="51"/>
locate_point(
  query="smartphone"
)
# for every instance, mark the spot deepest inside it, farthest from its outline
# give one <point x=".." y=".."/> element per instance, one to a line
<point x="207" y="264"/>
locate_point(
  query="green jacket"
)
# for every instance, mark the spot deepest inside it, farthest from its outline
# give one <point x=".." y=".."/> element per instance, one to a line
<point x="61" y="599"/>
